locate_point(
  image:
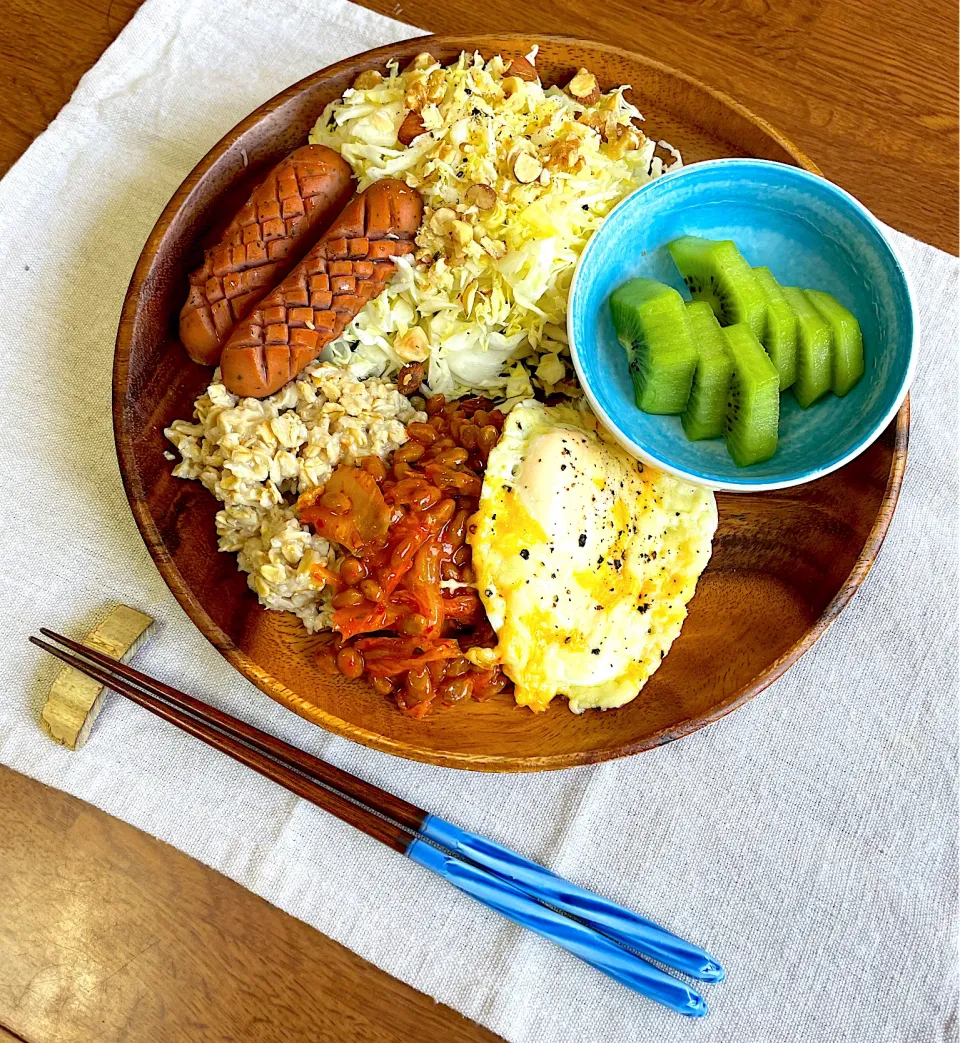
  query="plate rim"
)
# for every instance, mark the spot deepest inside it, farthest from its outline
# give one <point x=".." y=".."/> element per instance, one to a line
<point x="266" y="682"/>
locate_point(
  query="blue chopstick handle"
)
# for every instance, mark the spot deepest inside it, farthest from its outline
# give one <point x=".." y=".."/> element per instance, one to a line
<point x="593" y="948"/>
<point x="606" y="916"/>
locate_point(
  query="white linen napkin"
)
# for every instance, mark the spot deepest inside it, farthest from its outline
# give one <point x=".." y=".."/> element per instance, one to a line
<point x="808" y="840"/>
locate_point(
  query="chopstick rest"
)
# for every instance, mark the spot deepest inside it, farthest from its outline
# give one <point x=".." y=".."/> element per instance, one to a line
<point x="75" y="699"/>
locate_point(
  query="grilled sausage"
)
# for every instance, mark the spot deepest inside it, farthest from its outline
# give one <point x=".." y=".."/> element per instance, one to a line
<point x="269" y="234"/>
<point x="348" y="267"/>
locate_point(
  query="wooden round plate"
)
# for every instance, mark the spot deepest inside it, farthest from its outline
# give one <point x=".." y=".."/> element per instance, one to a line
<point x="784" y="564"/>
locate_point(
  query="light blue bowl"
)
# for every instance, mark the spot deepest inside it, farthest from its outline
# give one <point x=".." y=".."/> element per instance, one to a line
<point x="809" y="233"/>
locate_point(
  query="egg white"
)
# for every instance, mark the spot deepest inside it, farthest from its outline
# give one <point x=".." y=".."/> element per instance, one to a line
<point x="585" y="558"/>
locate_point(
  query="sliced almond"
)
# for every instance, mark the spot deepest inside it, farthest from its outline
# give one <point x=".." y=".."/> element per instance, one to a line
<point x="591" y="119"/>
<point x="584" y="87"/>
<point x="367" y="80"/>
<point x="411" y="127"/>
<point x="526" y="168"/>
<point x="412" y="346"/>
<point x="483" y="197"/>
<point x="523" y="70"/>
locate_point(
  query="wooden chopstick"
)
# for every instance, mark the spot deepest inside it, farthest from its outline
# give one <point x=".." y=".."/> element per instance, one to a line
<point x="386" y="831"/>
<point x="611" y="938"/>
<point x="367" y="793"/>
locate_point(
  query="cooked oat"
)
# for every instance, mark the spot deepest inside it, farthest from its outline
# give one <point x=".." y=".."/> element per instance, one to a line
<point x="257" y="455"/>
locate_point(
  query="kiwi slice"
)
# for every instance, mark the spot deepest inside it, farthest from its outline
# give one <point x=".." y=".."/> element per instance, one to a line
<point x="651" y="323"/>
<point x="780" y="334"/>
<point x="716" y="272"/>
<point x="814" y="349"/>
<point x="753" y="399"/>
<point x="707" y="405"/>
<point x="847" y="340"/>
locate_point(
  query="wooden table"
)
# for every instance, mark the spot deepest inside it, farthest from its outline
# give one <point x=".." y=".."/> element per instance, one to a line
<point x="107" y="934"/>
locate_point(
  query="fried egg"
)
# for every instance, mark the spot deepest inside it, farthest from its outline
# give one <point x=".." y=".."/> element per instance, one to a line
<point x="585" y="558"/>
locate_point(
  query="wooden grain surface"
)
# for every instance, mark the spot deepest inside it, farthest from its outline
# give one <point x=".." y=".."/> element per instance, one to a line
<point x="107" y="934"/>
<point x="868" y="89"/>
<point x="865" y="87"/>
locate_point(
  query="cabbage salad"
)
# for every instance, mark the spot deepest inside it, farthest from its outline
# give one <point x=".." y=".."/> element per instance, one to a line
<point x="515" y="178"/>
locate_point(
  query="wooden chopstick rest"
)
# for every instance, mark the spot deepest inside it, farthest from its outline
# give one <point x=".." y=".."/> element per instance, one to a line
<point x="75" y="699"/>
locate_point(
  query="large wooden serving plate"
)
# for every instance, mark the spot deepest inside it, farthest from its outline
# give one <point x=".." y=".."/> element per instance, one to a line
<point x="784" y="563"/>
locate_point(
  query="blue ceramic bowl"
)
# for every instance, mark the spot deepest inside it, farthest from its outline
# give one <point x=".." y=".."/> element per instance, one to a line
<point x="809" y="233"/>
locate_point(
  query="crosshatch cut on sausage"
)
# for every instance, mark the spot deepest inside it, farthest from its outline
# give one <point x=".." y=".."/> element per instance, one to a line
<point x="283" y="216"/>
<point x="348" y="267"/>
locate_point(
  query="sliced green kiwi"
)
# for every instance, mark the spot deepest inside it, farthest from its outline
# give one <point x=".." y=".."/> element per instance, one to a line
<point x="716" y="272"/>
<point x="847" y="341"/>
<point x="753" y="399"/>
<point x="707" y="405"/>
<point x="651" y="323"/>
<point x="814" y="349"/>
<point x="780" y="334"/>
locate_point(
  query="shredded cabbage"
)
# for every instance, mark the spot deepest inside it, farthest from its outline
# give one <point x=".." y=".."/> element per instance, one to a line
<point x="490" y="279"/>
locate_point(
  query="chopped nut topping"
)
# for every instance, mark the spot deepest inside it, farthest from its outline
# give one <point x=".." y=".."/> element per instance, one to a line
<point x="416" y="95"/>
<point x="564" y="155"/>
<point x="410" y="378"/>
<point x="436" y="86"/>
<point x="526" y="168"/>
<point x="412" y="346"/>
<point x="411" y="127"/>
<point x="494" y="247"/>
<point x="523" y="70"/>
<point x="462" y="232"/>
<point x="584" y="87"/>
<point x="367" y="80"/>
<point x="622" y="141"/>
<point x="422" y="61"/>
<point x="483" y="197"/>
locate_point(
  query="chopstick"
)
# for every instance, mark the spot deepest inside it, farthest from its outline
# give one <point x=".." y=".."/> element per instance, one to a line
<point x="605" y="935"/>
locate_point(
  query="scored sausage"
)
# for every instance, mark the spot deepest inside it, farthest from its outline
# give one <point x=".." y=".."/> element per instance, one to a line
<point x="311" y="307"/>
<point x="268" y="235"/>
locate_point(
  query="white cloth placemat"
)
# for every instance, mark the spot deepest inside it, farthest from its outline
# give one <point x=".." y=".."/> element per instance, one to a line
<point x="808" y="839"/>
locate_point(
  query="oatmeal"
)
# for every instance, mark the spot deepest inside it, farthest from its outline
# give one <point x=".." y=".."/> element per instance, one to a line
<point x="257" y="455"/>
